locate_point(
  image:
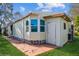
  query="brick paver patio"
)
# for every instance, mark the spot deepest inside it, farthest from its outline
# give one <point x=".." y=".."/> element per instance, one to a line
<point x="31" y="50"/>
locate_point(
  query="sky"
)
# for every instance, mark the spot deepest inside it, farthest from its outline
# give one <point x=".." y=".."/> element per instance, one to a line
<point x="25" y="8"/>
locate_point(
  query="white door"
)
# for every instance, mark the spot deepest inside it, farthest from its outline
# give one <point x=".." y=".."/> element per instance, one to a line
<point x="51" y="33"/>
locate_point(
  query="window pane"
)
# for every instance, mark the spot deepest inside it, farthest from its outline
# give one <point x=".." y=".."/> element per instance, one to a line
<point x="33" y="28"/>
<point x="27" y="28"/>
<point x="42" y="22"/>
<point x="64" y="25"/>
<point x="27" y="22"/>
<point x="34" y="22"/>
<point x="42" y="29"/>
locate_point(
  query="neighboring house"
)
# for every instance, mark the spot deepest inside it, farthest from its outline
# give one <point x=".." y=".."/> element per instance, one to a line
<point x="39" y="28"/>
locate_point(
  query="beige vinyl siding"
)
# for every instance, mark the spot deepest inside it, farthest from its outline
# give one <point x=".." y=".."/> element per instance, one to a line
<point x="33" y="35"/>
<point x="18" y="29"/>
<point x="26" y="34"/>
<point x="37" y="36"/>
<point x="64" y="32"/>
<point x="9" y="30"/>
<point x="61" y="34"/>
<point x="57" y="29"/>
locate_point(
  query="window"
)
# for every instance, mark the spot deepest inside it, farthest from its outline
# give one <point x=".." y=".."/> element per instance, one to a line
<point x="33" y="28"/>
<point x="64" y="26"/>
<point x="27" y="22"/>
<point x="11" y="29"/>
<point x="34" y="24"/>
<point x="27" y="26"/>
<point x="42" y="26"/>
<point x="42" y="22"/>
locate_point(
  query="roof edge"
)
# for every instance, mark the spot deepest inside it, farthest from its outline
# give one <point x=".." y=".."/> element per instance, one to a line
<point x="62" y="15"/>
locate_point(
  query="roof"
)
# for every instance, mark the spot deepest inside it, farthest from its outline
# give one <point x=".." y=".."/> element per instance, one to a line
<point x="62" y="15"/>
<point x="46" y="15"/>
<point x="25" y="17"/>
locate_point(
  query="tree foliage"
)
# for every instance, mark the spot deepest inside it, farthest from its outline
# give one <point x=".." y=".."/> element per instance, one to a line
<point x="76" y="21"/>
<point x="17" y="15"/>
<point x="6" y="12"/>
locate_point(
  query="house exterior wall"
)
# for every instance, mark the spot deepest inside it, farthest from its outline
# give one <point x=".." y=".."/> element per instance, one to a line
<point x="57" y="29"/>
<point x="26" y="35"/>
<point x="18" y="29"/>
<point x="37" y="35"/>
<point x="9" y="30"/>
<point x="64" y="32"/>
<point x="61" y="34"/>
<point x="58" y="32"/>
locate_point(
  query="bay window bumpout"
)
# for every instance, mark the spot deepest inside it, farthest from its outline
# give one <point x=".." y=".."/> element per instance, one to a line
<point x="34" y="25"/>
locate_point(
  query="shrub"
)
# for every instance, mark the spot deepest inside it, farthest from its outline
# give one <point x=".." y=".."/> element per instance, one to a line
<point x="76" y="33"/>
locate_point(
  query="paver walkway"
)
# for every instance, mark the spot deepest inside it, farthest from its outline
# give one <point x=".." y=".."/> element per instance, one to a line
<point x="30" y="50"/>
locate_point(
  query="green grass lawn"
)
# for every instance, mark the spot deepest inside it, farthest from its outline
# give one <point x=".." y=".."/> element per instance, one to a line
<point x="6" y="49"/>
<point x="69" y="49"/>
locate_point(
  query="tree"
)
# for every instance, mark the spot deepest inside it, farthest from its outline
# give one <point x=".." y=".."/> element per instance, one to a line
<point x="75" y="9"/>
<point x="17" y="15"/>
<point x="0" y="15"/>
<point x="6" y="13"/>
<point x="75" y="15"/>
<point x="76" y="21"/>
